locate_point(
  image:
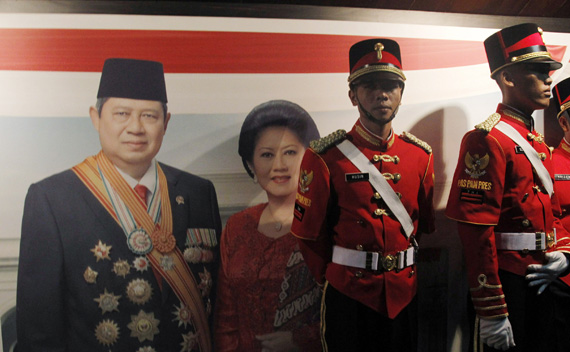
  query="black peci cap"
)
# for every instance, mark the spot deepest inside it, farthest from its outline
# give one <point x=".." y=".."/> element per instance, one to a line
<point x="133" y="79"/>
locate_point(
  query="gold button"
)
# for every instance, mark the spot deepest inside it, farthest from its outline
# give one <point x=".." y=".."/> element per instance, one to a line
<point x="526" y="222"/>
<point x="359" y="247"/>
<point x="377" y="195"/>
<point x="379" y="212"/>
<point x="396" y="159"/>
<point x="411" y="273"/>
<point x="358" y="274"/>
<point x="529" y="136"/>
<point x="542" y="156"/>
<point x="397" y="177"/>
<point x="376" y="158"/>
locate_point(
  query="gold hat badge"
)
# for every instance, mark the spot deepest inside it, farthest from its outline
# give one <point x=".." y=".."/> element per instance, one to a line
<point x="378" y="47"/>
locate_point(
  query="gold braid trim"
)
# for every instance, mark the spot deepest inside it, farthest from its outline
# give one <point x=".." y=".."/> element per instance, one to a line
<point x="486" y="299"/>
<point x="488" y="124"/>
<point x="483" y="284"/>
<point x="376" y="68"/>
<point x="389" y="159"/>
<point x="531" y="56"/>
<point x="563" y="108"/>
<point x="525" y="57"/>
<point x="415" y="140"/>
<point x="517" y="117"/>
<point x="491" y="307"/>
<point x="324" y="143"/>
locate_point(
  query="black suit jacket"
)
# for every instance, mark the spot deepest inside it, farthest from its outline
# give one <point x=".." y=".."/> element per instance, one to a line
<point x="62" y="223"/>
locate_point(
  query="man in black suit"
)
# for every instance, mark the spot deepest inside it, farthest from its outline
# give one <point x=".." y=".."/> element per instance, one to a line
<point x="120" y="252"/>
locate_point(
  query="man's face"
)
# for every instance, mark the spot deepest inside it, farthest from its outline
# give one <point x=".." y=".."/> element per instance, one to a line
<point x="532" y="85"/>
<point x="130" y="131"/>
<point x="379" y="93"/>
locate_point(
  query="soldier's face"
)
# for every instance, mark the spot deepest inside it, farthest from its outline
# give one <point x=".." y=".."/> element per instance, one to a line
<point x="276" y="161"/>
<point x="379" y="94"/>
<point x="130" y="131"/>
<point x="532" y="85"/>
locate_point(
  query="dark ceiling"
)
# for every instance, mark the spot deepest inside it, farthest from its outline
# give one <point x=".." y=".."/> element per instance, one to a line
<point x="521" y="8"/>
<point x="531" y="8"/>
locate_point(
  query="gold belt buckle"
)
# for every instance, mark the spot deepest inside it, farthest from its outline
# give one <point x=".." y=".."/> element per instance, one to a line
<point x="389" y="262"/>
<point x="550" y="239"/>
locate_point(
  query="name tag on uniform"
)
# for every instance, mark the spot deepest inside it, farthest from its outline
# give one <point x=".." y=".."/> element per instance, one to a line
<point x="561" y="177"/>
<point x="355" y="177"/>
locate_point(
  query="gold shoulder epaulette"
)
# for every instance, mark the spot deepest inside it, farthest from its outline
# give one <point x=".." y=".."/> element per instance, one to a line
<point x="488" y="124"/>
<point x="415" y="140"/>
<point x="324" y="143"/>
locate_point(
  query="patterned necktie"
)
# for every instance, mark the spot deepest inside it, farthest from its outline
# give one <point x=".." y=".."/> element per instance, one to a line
<point x="141" y="191"/>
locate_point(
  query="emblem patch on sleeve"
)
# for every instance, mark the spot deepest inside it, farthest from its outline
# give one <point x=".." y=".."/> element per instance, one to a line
<point x="471" y="196"/>
<point x="476" y="165"/>
<point x="299" y="212"/>
<point x="305" y="179"/>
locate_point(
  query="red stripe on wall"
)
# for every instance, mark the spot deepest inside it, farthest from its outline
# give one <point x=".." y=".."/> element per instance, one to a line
<point x="213" y="52"/>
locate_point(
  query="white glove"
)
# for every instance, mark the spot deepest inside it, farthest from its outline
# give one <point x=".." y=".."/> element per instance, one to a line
<point x="544" y="274"/>
<point x="497" y="333"/>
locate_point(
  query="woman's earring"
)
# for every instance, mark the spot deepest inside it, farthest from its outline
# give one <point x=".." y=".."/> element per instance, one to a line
<point x="254" y="178"/>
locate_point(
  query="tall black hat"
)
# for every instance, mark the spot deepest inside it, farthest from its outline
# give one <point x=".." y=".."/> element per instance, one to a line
<point x="133" y="79"/>
<point x="519" y="43"/>
<point x="375" y="55"/>
<point x="561" y="96"/>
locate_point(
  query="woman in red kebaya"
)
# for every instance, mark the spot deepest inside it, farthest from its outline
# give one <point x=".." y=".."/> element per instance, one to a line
<point x="267" y="298"/>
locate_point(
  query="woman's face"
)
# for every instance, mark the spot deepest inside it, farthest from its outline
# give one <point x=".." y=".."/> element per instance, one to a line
<point x="276" y="161"/>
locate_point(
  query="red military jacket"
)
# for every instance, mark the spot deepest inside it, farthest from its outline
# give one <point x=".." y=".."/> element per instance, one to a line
<point x="561" y="163"/>
<point x="495" y="186"/>
<point x="336" y="205"/>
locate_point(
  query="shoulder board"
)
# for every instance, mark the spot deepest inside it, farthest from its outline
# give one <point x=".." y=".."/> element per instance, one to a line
<point x="324" y="143"/>
<point x="488" y="124"/>
<point x="415" y="140"/>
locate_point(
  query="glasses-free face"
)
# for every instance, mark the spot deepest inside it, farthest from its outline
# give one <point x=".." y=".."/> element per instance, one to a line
<point x="130" y="132"/>
<point x="276" y="161"/>
<point x="532" y="83"/>
<point x="379" y="94"/>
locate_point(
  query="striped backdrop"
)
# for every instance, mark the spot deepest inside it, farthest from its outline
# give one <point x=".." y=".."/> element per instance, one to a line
<point x="217" y="70"/>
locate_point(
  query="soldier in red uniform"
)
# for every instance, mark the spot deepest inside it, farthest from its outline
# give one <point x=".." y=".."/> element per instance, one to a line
<point x="363" y="199"/>
<point x="561" y="155"/>
<point x="505" y="203"/>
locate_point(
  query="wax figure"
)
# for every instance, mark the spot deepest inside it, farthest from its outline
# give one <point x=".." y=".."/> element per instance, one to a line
<point x="561" y="155"/>
<point x="506" y="204"/>
<point x="267" y="298"/>
<point x="364" y="197"/>
<point x="120" y="252"/>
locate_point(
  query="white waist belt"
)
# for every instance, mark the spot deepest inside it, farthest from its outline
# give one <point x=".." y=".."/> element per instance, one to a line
<point x="373" y="260"/>
<point x="522" y="241"/>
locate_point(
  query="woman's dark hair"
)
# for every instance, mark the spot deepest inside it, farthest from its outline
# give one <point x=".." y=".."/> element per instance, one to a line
<point x="274" y="113"/>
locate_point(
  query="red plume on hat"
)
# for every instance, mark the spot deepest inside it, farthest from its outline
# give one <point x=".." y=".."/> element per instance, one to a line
<point x="375" y="55"/>
<point x="515" y="44"/>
